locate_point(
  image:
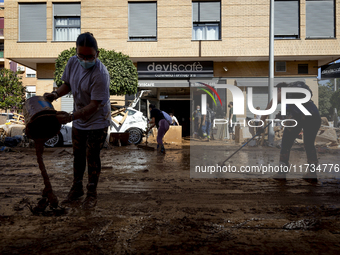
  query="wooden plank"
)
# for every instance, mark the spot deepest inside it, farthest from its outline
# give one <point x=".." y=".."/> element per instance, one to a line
<point x="115" y="121"/>
<point x="125" y="116"/>
<point x="117" y="112"/>
<point x="18" y="117"/>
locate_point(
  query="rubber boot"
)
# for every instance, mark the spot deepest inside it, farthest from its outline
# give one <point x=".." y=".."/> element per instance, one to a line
<point x="91" y="196"/>
<point x="162" y="149"/>
<point x="311" y="176"/>
<point x="75" y="193"/>
<point x="280" y="176"/>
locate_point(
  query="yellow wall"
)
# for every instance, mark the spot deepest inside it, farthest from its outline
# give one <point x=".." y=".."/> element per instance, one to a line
<point x="260" y="69"/>
<point x="244" y="34"/>
<point x="245" y="31"/>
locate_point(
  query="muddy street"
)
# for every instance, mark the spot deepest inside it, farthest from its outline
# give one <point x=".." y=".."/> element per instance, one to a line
<point x="148" y="204"/>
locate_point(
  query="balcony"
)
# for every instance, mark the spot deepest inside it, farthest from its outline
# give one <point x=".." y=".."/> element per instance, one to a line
<point x="1" y="55"/>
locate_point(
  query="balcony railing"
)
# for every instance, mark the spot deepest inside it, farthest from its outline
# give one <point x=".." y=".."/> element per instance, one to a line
<point x="1" y="54"/>
<point x="1" y="32"/>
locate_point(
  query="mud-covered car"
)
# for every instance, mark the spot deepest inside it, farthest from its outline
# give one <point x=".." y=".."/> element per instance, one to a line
<point x="127" y="120"/>
<point x="135" y="124"/>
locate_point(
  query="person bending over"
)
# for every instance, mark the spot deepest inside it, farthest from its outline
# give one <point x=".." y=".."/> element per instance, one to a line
<point x="158" y="120"/>
<point x="310" y="125"/>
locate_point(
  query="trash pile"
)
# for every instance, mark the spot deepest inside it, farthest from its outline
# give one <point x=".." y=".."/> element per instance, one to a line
<point x="327" y="136"/>
<point x="12" y="134"/>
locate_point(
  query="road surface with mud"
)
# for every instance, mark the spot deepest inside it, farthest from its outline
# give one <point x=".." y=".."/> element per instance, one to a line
<point x="148" y="204"/>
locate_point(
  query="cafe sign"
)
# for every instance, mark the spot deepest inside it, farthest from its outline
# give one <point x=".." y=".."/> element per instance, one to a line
<point x="176" y="70"/>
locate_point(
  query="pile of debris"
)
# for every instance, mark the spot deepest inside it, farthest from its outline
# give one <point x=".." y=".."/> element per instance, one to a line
<point x="327" y="136"/>
<point x="12" y="132"/>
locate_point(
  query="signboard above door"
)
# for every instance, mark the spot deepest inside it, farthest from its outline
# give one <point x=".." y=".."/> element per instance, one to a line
<point x="175" y="70"/>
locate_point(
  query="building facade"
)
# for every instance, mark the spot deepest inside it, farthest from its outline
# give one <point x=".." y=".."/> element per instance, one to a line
<point x="2" y="44"/>
<point x="28" y="75"/>
<point x="176" y="43"/>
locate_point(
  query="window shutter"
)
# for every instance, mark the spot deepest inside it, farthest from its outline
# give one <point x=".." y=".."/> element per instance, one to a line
<point x="286" y="17"/>
<point x="195" y="12"/>
<point x="13" y="66"/>
<point x="30" y="89"/>
<point x="142" y="19"/>
<point x="320" y="19"/>
<point x="209" y="11"/>
<point x="72" y="9"/>
<point x="32" y="23"/>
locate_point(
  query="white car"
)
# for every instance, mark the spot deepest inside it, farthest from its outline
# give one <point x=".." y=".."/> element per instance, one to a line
<point x="135" y="123"/>
<point x="64" y="137"/>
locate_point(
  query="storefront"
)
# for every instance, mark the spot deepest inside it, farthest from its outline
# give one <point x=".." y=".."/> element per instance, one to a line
<point x="169" y="85"/>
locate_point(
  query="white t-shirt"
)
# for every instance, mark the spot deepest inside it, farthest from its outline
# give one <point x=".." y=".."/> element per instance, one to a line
<point x="174" y="120"/>
<point x="86" y="85"/>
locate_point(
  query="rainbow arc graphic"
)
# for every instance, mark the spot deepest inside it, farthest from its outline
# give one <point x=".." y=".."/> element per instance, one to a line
<point x="208" y="92"/>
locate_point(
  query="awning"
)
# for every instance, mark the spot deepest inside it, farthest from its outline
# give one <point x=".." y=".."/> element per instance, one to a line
<point x="194" y="82"/>
<point x="330" y="71"/>
<point x="163" y="83"/>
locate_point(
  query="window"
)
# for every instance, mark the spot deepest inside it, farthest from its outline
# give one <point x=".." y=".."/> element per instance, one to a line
<point x="130" y="112"/>
<point x="142" y="21"/>
<point x="30" y="91"/>
<point x="32" y="22"/>
<point x="280" y="66"/>
<point x="320" y="19"/>
<point x="1" y="50"/>
<point x="66" y="21"/>
<point x="30" y="73"/>
<point x="302" y="68"/>
<point x="286" y="19"/>
<point x="1" y="26"/>
<point x="206" y="20"/>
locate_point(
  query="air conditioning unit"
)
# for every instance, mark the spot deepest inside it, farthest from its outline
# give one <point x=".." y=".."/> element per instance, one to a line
<point x="21" y="69"/>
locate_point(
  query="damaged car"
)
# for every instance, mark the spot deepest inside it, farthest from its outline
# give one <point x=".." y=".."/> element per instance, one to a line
<point x="123" y="120"/>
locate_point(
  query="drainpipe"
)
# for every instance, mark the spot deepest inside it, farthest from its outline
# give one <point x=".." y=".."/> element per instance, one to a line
<point x="271" y="70"/>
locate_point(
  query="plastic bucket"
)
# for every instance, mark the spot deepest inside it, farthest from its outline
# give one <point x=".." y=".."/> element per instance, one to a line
<point x="40" y="118"/>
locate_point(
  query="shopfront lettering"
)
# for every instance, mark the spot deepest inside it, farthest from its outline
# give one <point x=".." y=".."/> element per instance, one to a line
<point x="170" y="67"/>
